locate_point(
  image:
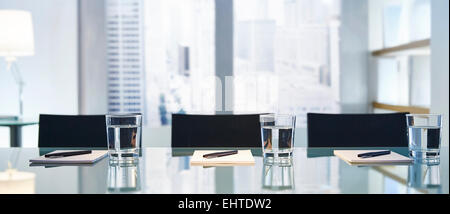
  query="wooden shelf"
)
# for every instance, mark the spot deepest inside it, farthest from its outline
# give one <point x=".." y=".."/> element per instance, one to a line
<point x="410" y="109"/>
<point x="421" y="47"/>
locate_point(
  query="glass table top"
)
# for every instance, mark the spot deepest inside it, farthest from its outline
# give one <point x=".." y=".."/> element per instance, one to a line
<point x="19" y="122"/>
<point x="167" y="170"/>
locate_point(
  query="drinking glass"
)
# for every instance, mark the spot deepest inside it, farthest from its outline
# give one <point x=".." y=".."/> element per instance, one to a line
<point x="277" y="137"/>
<point x="124" y="137"/>
<point x="424" y="136"/>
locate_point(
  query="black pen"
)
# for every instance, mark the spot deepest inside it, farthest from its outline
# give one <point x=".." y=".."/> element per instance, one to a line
<point x="373" y="154"/>
<point x="66" y="154"/>
<point x="220" y="154"/>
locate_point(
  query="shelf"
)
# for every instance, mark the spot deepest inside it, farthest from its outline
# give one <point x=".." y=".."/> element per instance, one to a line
<point x="421" y="47"/>
<point x="410" y="109"/>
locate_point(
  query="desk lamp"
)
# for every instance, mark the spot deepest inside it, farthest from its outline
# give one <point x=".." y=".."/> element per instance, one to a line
<point x="16" y="40"/>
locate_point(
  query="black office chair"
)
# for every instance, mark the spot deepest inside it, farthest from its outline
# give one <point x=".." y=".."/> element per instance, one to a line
<point x="357" y="130"/>
<point x="72" y="131"/>
<point x="216" y="130"/>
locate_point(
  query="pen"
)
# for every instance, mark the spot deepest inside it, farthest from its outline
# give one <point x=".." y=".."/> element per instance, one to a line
<point x="220" y="154"/>
<point x="66" y="154"/>
<point x="373" y="154"/>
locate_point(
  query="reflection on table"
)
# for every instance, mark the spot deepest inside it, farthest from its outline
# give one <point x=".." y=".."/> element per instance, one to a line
<point x="278" y="177"/>
<point x="166" y="170"/>
<point x="425" y="177"/>
<point x="124" y="178"/>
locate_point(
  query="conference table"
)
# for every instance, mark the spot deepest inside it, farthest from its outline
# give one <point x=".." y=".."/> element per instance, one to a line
<point x="165" y="170"/>
<point x="15" y="129"/>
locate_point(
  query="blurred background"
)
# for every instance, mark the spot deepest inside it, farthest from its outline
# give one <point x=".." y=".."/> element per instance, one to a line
<point x="160" y="57"/>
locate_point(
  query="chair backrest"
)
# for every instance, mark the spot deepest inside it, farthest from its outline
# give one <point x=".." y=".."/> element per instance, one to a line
<point x="72" y="131"/>
<point x="357" y="130"/>
<point x="216" y="130"/>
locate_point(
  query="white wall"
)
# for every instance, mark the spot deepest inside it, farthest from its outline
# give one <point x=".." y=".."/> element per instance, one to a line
<point x="439" y="62"/>
<point x="51" y="75"/>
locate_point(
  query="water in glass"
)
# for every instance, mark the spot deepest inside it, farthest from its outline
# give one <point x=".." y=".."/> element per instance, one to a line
<point x="277" y="136"/>
<point x="424" y="136"/>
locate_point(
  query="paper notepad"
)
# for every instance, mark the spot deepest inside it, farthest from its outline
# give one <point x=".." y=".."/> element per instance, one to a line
<point x="242" y="158"/>
<point x="93" y="157"/>
<point x="351" y="157"/>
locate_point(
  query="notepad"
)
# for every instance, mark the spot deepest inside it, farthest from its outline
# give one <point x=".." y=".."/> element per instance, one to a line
<point x="91" y="158"/>
<point x="351" y="157"/>
<point x="242" y="158"/>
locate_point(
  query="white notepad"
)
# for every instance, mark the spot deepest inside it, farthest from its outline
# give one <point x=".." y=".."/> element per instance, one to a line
<point x="242" y="158"/>
<point x="351" y="157"/>
<point x="93" y="157"/>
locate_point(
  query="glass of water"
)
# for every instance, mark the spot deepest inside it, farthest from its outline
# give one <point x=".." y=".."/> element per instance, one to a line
<point x="277" y="136"/>
<point x="124" y="137"/>
<point x="424" y="136"/>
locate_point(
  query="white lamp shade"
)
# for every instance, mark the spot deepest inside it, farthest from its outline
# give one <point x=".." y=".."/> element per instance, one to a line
<point x="16" y="33"/>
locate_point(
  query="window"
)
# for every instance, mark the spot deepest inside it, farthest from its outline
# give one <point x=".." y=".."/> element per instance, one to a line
<point x="161" y="57"/>
<point x="179" y="58"/>
<point x="285" y="56"/>
<point x="125" y="62"/>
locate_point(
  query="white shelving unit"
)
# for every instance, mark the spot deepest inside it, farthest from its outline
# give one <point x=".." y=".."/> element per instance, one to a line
<point x="400" y="55"/>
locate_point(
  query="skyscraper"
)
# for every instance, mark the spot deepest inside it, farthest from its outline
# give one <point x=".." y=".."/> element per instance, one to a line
<point x="125" y="55"/>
